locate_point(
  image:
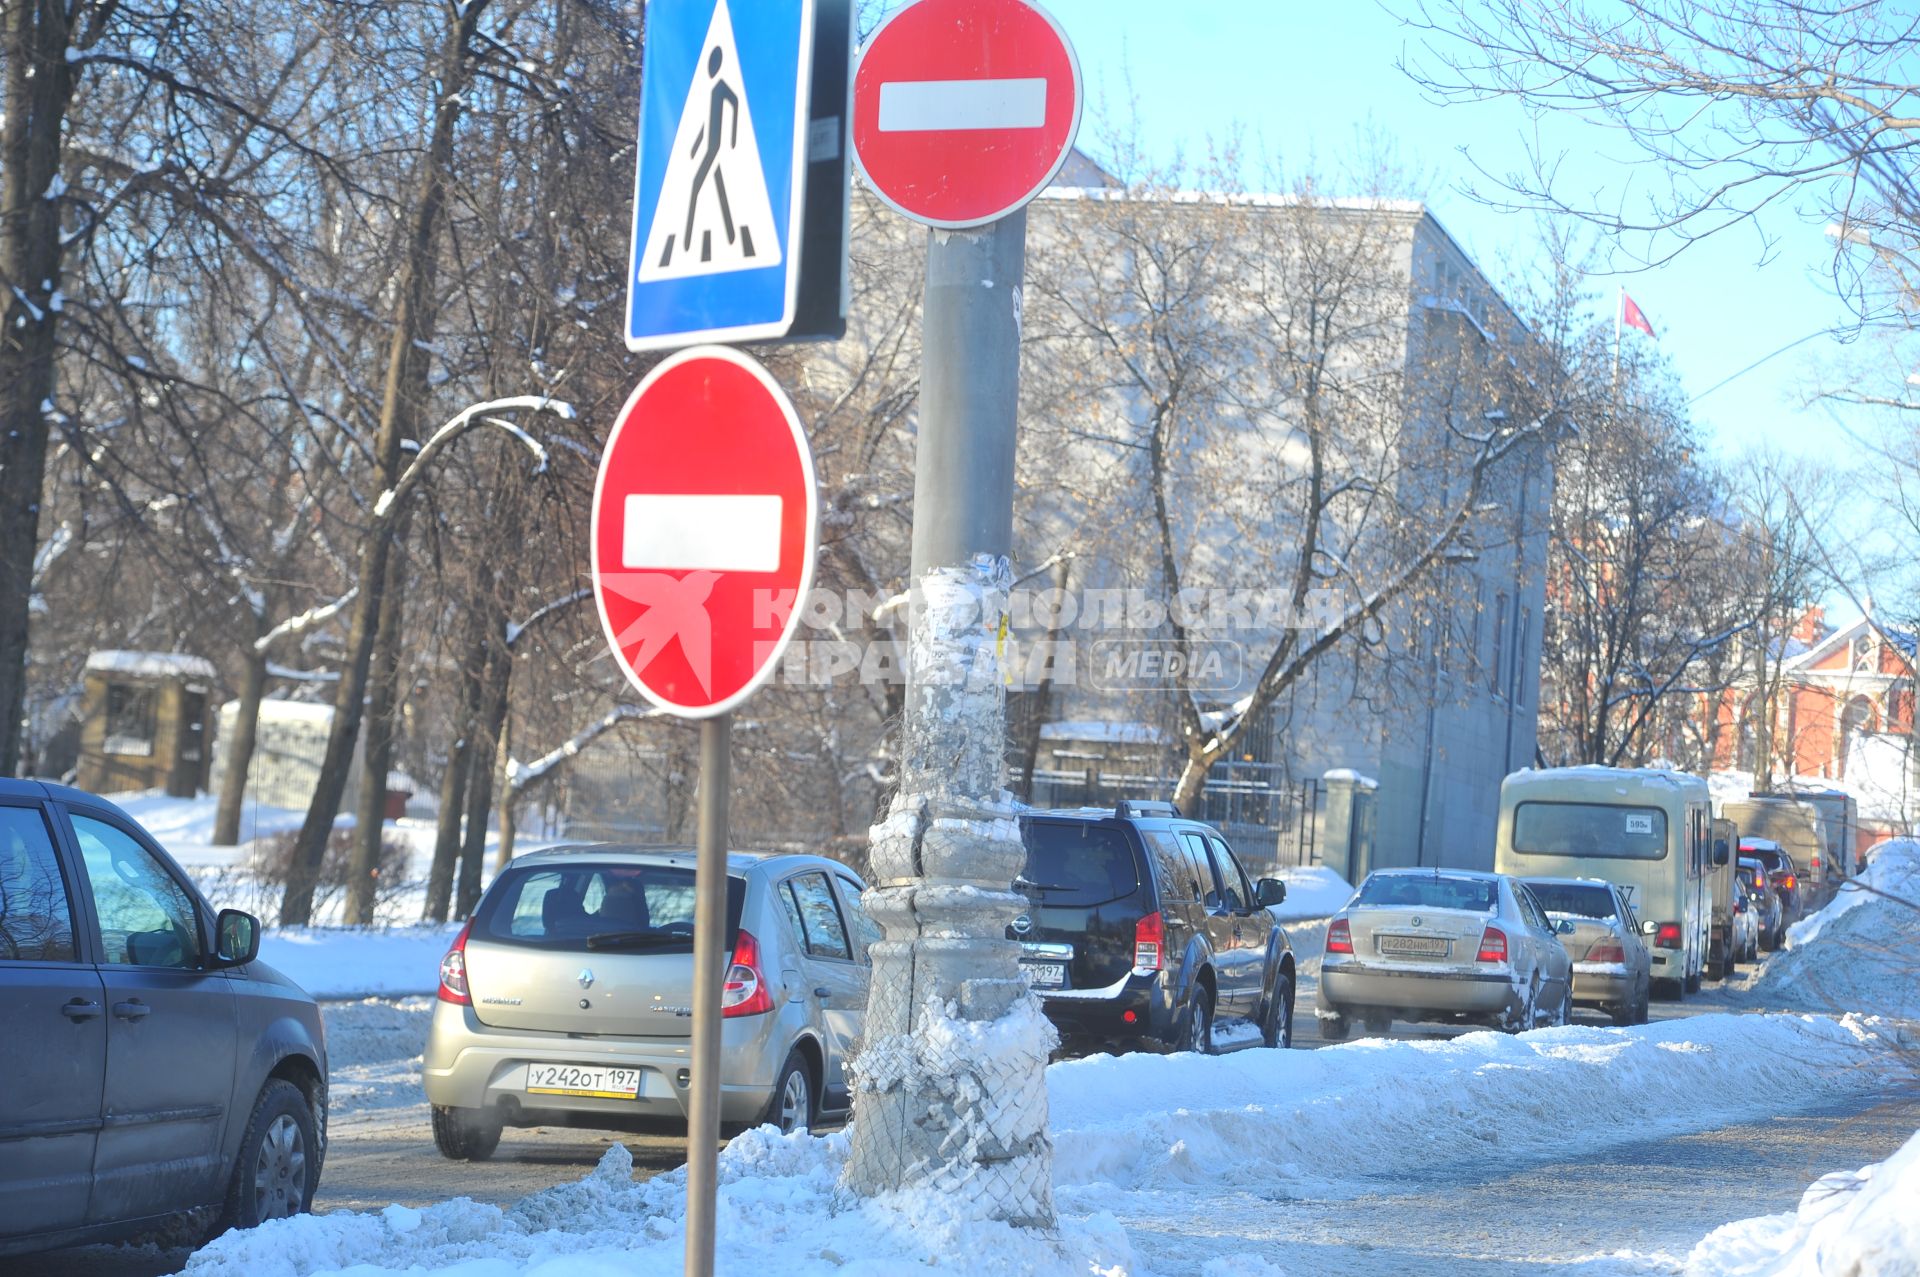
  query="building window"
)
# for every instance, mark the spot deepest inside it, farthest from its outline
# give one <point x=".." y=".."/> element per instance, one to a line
<point x="1520" y="636"/>
<point x="1863" y="653"/>
<point x="129" y="720"/>
<point x="1498" y="665"/>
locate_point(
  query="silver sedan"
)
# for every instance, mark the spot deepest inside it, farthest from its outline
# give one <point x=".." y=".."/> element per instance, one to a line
<point x="1446" y="945"/>
<point x="1612" y="968"/>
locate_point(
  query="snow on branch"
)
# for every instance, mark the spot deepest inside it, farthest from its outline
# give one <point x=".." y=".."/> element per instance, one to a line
<point x="550" y="608"/>
<point x="468" y="419"/>
<point x="307" y="620"/>
<point x="523" y="776"/>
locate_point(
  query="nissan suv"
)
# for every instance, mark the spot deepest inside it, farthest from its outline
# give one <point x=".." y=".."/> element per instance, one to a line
<point x="567" y="1000"/>
<point x="155" y="1076"/>
<point x="1143" y="930"/>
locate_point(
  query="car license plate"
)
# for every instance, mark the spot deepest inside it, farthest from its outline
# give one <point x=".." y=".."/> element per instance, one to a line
<point x="583" y="1079"/>
<point x="1046" y="975"/>
<point x="1424" y="946"/>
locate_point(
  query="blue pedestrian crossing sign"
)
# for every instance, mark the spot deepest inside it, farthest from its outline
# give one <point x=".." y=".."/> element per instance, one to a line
<point x="732" y="128"/>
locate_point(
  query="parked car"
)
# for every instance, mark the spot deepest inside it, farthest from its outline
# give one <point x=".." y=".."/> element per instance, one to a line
<point x="567" y="999"/>
<point x="1612" y="970"/>
<point x="158" y="1077"/>
<point x="1784" y="877"/>
<point x="1143" y="930"/>
<point x="1764" y="901"/>
<point x="1445" y="945"/>
<point x="1746" y="927"/>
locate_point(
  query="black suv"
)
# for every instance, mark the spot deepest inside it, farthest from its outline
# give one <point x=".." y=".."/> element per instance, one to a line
<point x="1143" y="930"/>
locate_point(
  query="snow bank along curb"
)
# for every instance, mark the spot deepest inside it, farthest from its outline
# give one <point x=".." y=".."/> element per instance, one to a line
<point x="355" y="962"/>
<point x="1863" y="1223"/>
<point x="1862" y="951"/>
<point x="1272" y="1118"/>
<point x="1174" y="1123"/>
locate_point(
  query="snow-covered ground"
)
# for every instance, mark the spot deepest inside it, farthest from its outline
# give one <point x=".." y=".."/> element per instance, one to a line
<point x="1313" y="891"/>
<point x="1138" y="1139"/>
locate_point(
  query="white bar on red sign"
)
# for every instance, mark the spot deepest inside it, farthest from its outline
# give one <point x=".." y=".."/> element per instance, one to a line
<point x="711" y="532"/>
<point x="924" y="106"/>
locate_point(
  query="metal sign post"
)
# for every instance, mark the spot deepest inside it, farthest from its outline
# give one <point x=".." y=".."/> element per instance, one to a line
<point x="709" y="953"/>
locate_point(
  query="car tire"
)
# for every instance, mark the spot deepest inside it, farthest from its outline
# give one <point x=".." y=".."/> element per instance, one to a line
<point x="1334" y="1028"/>
<point x="1379" y="1025"/>
<point x="1623" y="1015"/>
<point x="1643" y="1010"/>
<point x="795" y="1102"/>
<point x="1566" y="1006"/>
<point x="1693" y="983"/>
<point x="465" y="1135"/>
<point x="1197" y="1034"/>
<point x="1276" y="1027"/>
<point x="278" y="1166"/>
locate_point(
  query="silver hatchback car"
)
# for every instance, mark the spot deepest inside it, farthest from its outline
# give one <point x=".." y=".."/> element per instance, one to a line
<point x="567" y="999"/>
<point x="1442" y="944"/>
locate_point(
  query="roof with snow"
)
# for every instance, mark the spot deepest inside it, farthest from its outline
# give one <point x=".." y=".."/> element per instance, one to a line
<point x="1105" y="733"/>
<point x="151" y="664"/>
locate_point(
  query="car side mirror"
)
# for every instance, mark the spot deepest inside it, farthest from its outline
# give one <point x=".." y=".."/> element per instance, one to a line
<point x="236" y="938"/>
<point x="1739" y="906"/>
<point x="1649" y="928"/>
<point x="1269" y="892"/>
<point x="1719" y="854"/>
<point x="1564" y="927"/>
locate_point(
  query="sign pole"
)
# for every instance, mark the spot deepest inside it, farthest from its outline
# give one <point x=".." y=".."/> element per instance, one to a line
<point x="709" y="951"/>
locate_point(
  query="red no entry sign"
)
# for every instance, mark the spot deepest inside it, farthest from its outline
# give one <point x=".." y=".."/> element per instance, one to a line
<point x="704" y="518"/>
<point x="963" y="110"/>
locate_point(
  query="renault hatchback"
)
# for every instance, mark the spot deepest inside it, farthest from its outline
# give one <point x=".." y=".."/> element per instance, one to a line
<point x="568" y="998"/>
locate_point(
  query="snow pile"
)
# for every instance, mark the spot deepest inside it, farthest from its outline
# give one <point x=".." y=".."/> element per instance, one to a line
<point x="1265" y="1121"/>
<point x="1862" y="1223"/>
<point x="780" y="1210"/>
<point x="355" y="962"/>
<point x="1313" y="891"/>
<point x="1861" y="952"/>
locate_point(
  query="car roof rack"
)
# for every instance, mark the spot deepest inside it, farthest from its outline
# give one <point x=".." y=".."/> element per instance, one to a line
<point x="1144" y="807"/>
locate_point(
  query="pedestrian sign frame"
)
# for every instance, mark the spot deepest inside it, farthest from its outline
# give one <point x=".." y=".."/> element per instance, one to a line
<point x="790" y="102"/>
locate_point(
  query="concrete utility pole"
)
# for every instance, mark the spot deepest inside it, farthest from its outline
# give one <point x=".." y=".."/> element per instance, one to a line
<point x="950" y="1088"/>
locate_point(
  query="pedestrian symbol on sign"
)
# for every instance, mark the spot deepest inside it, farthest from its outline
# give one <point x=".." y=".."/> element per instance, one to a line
<point x="713" y="215"/>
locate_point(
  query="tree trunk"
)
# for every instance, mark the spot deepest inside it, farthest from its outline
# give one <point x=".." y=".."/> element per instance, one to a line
<point x="480" y="781"/>
<point x="39" y="87"/>
<point x="246" y="733"/>
<point x="402" y="395"/>
<point x="1192" y="785"/>
<point x="382" y="708"/>
<point x="502" y="785"/>
<point x="446" y="837"/>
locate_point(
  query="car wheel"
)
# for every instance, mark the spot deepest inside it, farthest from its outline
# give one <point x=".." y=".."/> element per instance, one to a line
<point x="1623" y="1015"/>
<point x="279" y="1163"/>
<point x="792" y="1106"/>
<point x="1276" y="1029"/>
<point x="1199" y="1034"/>
<point x="465" y="1135"/>
<point x="1379" y="1025"/>
<point x="1643" y="1010"/>
<point x="1566" y="1005"/>
<point x="1693" y="983"/>
<point x="1334" y="1028"/>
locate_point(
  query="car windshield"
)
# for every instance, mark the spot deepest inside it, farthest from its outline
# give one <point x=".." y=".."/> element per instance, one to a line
<point x="1078" y="862"/>
<point x="1576" y="900"/>
<point x="1427" y="891"/>
<point x="599" y="907"/>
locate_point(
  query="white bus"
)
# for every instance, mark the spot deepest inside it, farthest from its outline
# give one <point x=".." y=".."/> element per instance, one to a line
<point x="1648" y="831"/>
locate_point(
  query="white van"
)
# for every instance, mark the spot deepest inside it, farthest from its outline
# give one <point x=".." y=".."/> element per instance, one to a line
<point x="1648" y="831"/>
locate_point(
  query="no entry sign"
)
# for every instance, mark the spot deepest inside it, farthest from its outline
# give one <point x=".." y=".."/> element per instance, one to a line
<point x="704" y="517"/>
<point x="963" y="110"/>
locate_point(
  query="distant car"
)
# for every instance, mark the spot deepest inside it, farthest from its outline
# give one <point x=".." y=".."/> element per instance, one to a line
<point x="1446" y="945"/>
<point x="155" y="1076"/>
<point x="1143" y="930"/>
<point x="567" y="1000"/>
<point x="1612" y="970"/>
<point x="1764" y="903"/>
<point x="1746" y="926"/>
<point x="1784" y="876"/>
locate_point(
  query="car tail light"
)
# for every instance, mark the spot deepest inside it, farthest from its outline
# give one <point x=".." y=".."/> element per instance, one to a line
<point x="1339" y="937"/>
<point x="1667" y="936"/>
<point x="1789" y="880"/>
<point x="1493" y="946"/>
<point x="1606" y="951"/>
<point x="1149" y="942"/>
<point x="453" y="970"/>
<point x="745" y="992"/>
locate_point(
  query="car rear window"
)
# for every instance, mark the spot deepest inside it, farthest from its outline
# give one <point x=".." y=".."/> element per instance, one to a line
<point x="1410" y="891"/>
<point x="592" y="907"/>
<point x="1572" y="899"/>
<point x="1079" y="862"/>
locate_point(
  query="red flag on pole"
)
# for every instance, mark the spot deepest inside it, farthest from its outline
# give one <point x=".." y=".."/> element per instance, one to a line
<point x="1632" y="316"/>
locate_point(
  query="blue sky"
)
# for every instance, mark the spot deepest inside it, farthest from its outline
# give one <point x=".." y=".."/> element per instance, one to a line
<point x="1301" y="80"/>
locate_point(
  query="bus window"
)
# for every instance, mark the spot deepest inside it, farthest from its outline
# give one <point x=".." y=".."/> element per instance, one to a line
<point x="1603" y="831"/>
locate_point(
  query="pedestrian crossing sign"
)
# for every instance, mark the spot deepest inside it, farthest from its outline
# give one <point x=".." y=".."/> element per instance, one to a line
<point x="730" y="124"/>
